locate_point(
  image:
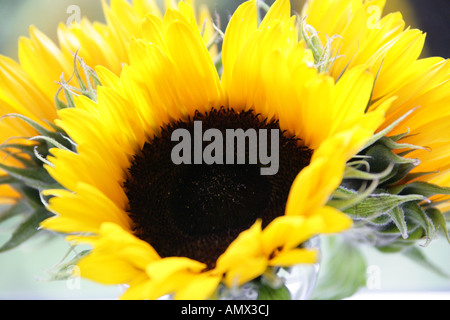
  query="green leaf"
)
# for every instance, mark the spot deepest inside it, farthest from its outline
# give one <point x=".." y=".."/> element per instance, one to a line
<point x="14" y="210"/>
<point x="267" y="292"/>
<point x="343" y="271"/>
<point x="417" y="255"/>
<point x="26" y="230"/>
<point x="37" y="178"/>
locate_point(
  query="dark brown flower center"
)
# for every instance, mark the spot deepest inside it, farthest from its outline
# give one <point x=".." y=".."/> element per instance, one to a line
<point x="197" y="210"/>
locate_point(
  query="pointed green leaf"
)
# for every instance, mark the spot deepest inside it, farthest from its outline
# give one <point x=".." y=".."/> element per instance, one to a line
<point x="26" y="230"/>
<point x="350" y="201"/>
<point x="58" y="102"/>
<point x="398" y="217"/>
<point x="424" y="188"/>
<point x="412" y="176"/>
<point x="32" y="123"/>
<point x="19" y="156"/>
<point x="391" y="144"/>
<point x="353" y="173"/>
<point x="400" y="136"/>
<point x="439" y="221"/>
<point x="378" y="204"/>
<point x="37" y="178"/>
<point x="383" y="155"/>
<point x="11" y="211"/>
<point x="417" y="255"/>
<point x="42" y="131"/>
<point x="28" y="149"/>
<point x="52" y="142"/>
<point x="416" y="214"/>
<point x="388" y="129"/>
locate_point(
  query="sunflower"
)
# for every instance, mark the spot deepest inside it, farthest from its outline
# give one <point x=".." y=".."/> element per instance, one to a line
<point x="188" y="229"/>
<point x="416" y="86"/>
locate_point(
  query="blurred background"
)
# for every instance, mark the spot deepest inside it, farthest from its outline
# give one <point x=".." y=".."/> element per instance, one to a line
<point x="24" y="273"/>
<point x="16" y="16"/>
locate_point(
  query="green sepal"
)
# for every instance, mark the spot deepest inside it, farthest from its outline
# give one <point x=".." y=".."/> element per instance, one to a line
<point x="27" y="149"/>
<point x="399" y="136"/>
<point x="386" y="130"/>
<point x="344" y="198"/>
<point x="26" y="229"/>
<point x="86" y="88"/>
<point x="381" y="157"/>
<point x="415" y="175"/>
<point x="417" y="215"/>
<point x="322" y="54"/>
<point x="412" y="223"/>
<point x="381" y="220"/>
<point x="54" y="143"/>
<point x="398" y="218"/>
<point x="391" y="143"/>
<point x="400" y="244"/>
<point x="16" y="209"/>
<point x="26" y="161"/>
<point x="36" y="177"/>
<point x="7" y="180"/>
<point x="58" y="102"/>
<point x="420" y="187"/>
<point x="354" y="173"/>
<point x="35" y="125"/>
<point x="378" y="204"/>
<point x="312" y="41"/>
<point x="439" y="221"/>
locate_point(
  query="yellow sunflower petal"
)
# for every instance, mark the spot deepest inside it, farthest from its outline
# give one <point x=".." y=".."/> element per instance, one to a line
<point x="294" y="257"/>
<point x="112" y="247"/>
<point x="242" y="24"/>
